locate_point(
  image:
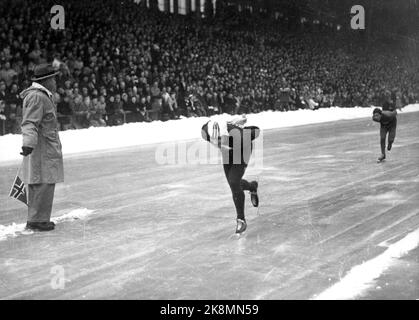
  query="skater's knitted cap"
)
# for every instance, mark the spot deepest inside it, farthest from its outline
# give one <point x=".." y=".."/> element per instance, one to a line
<point x="377" y="110"/>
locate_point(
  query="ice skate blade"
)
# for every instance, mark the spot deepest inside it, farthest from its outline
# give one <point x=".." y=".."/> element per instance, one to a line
<point x="27" y="232"/>
<point x="237" y="236"/>
<point x="240" y="235"/>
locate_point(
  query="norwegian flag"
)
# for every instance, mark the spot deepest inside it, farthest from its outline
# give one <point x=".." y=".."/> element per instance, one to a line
<point x="18" y="190"/>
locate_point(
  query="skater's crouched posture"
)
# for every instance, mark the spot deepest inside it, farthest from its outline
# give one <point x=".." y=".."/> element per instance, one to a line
<point x="388" y="121"/>
<point x="236" y="143"/>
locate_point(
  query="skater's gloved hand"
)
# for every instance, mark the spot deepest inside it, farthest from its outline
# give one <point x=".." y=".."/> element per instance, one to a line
<point x="26" y="151"/>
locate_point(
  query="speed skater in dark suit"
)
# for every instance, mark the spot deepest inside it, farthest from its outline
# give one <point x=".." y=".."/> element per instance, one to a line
<point x="236" y="144"/>
<point x="387" y="117"/>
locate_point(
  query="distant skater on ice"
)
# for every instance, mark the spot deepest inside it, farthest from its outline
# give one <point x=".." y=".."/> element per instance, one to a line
<point x="235" y="140"/>
<point x="388" y="125"/>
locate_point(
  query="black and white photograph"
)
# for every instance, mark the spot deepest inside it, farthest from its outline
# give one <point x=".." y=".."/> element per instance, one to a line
<point x="231" y="151"/>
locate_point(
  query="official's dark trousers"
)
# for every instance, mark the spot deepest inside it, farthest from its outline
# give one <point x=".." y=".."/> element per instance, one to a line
<point x="234" y="174"/>
<point x="391" y="130"/>
<point x="40" y="198"/>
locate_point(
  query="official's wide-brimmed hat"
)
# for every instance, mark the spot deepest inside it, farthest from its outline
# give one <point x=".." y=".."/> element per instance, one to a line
<point x="44" y="71"/>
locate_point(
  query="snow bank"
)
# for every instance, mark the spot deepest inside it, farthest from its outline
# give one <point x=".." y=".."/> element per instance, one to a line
<point x="361" y="277"/>
<point x="133" y="134"/>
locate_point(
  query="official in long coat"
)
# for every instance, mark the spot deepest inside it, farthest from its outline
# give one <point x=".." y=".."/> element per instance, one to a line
<point x="41" y="148"/>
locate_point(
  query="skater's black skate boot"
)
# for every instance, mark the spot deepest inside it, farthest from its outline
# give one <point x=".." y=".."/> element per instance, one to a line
<point x="241" y="226"/>
<point x="389" y="146"/>
<point x="254" y="194"/>
<point x="381" y="158"/>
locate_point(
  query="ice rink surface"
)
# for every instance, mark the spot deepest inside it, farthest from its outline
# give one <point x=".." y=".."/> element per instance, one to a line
<point x="166" y="231"/>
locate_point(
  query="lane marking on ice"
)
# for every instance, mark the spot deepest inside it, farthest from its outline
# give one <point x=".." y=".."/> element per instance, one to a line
<point x="361" y="277"/>
<point x="371" y="218"/>
<point x="387" y="242"/>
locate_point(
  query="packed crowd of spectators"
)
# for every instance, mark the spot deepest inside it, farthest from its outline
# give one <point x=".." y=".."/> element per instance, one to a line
<point x="126" y="63"/>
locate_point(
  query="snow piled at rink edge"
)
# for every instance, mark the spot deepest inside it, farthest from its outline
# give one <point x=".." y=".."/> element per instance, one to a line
<point x="361" y="278"/>
<point x="134" y="134"/>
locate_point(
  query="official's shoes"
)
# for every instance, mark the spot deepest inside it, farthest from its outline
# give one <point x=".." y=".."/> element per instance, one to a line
<point x="241" y="226"/>
<point x="40" y="226"/>
<point x="254" y="194"/>
<point x="381" y="158"/>
<point x="389" y="146"/>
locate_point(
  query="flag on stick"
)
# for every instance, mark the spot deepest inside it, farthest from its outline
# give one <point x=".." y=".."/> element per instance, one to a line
<point x="18" y="190"/>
